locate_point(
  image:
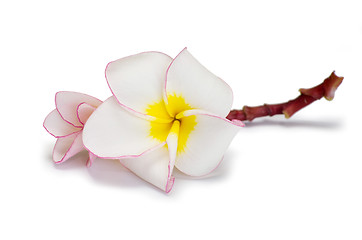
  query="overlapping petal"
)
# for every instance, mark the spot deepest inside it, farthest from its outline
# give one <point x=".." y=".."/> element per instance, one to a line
<point x="137" y="81"/>
<point x="114" y="132"/>
<point x="67" y="104"/>
<point x="84" y="110"/>
<point x="201" y="89"/>
<point x="153" y="167"/>
<point x="164" y="113"/>
<point x="66" y="123"/>
<point x="172" y="144"/>
<point x="91" y="158"/>
<point x="67" y="147"/>
<point x="57" y="127"/>
<point x="206" y="143"/>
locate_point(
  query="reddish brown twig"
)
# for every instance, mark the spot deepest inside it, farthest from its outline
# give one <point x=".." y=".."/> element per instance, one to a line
<point x="326" y="89"/>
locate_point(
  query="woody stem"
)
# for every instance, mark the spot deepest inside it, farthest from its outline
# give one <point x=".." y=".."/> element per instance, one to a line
<point x="326" y="89"/>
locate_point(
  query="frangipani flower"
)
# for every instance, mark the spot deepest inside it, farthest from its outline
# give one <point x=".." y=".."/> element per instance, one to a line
<point x="165" y="113"/>
<point x="66" y="124"/>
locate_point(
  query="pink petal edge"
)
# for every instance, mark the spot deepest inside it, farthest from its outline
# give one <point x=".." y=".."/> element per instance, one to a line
<point x="79" y="105"/>
<point x="68" y="154"/>
<point x="57" y="136"/>
<point x="169" y="184"/>
<point x="201" y="112"/>
<point x="139" y="114"/>
<point x="206" y="113"/>
<point x="170" y="178"/>
<point x="165" y="92"/>
<point x="56" y="105"/>
<point x="91" y="159"/>
<point x="165" y="87"/>
<point x="128" y="156"/>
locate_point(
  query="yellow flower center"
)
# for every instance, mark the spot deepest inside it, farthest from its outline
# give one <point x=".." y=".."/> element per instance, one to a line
<point x="167" y="117"/>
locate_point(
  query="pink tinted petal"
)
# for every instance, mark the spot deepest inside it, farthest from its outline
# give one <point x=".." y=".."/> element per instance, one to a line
<point x="169" y="184"/>
<point x="67" y="103"/>
<point x="200" y="88"/>
<point x="137" y="81"/>
<point x="67" y="147"/>
<point x="172" y="143"/>
<point x="84" y="110"/>
<point x="152" y="167"/>
<point x="91" y="159"/>
<point x="57" y="127"/>
<point x="238" y="122"/>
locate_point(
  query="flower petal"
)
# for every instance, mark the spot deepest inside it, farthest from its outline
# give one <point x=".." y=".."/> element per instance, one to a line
<point x="206" y="143"/>
<point x="67" y="147"/>
<point x="84" y="110"/>
<point x="172" y="143"/>
<point x="91" y="159"/>
<point x="152" y="167"/>
<point x="137" y="81"/>
<point x="67" y="103"/>
<point x="113" y="132"/>
<point x="201" y="89"/>
<point x="56" y="126"/>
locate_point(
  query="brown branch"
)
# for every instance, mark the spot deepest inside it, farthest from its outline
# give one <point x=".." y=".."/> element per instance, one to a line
<point x="326" y="89"/>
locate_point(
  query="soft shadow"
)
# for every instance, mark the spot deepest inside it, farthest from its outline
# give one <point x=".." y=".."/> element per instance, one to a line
<point x="220" y="172"/>
<point x="103" y="171"/>
<point x="111" y="172"/>
<point x="321" y="124"/>
<point x="76" y="162"/>
<point x="48" y="151"/>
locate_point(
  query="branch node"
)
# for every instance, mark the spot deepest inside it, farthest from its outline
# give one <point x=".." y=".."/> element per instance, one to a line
<point x="326" y="89"/>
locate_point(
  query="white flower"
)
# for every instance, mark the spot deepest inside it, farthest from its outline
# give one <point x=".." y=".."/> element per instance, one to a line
<point x="66" y="124"/>
<point x="165" y="113"/>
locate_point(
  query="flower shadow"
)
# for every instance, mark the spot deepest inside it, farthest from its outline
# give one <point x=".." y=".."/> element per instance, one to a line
<point x="221" y="172"/>
<point x="103" y="171"/>
<point x="47" y="151"/>
<point x="287" y="123"/>
<point x="110" y="172"/>
<point x="76" y="162"/>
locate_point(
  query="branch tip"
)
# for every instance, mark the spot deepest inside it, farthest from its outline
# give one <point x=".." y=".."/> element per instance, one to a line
<point x="326" y="89"/>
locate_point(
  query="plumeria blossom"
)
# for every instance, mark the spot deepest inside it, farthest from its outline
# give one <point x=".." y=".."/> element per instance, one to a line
<point x="164" y="113"/>
<point x="66" y="124"/>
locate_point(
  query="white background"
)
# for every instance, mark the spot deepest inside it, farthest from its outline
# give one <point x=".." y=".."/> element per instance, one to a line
<point x="281" y="179"/>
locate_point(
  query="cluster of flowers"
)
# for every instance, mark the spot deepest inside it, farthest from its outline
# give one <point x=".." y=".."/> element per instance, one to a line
<point x="164" y="113"/>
